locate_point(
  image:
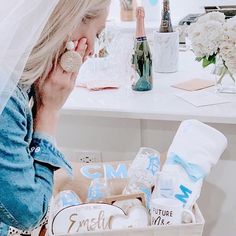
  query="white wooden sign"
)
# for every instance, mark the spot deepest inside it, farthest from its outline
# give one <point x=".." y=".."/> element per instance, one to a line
<point x="84" y="218"/>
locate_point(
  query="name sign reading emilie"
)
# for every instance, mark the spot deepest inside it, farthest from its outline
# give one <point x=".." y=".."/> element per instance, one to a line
<point x="84" y="218"/>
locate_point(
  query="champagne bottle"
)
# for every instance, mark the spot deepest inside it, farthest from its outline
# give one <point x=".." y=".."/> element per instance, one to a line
<point x="166" y="25"/>
<point x="142" y="58"/>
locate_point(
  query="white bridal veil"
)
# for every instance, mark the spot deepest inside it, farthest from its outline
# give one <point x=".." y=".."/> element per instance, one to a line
<point x="21" y="23"/>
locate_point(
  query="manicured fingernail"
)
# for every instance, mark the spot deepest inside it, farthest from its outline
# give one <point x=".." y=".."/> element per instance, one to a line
<point x="83" y="40"/>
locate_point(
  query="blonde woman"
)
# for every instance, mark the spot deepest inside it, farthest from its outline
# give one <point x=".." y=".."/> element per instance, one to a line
<point x="40" y="61"/>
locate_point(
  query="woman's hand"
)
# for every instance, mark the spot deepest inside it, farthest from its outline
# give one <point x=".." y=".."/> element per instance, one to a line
<point x="52" y="92"/>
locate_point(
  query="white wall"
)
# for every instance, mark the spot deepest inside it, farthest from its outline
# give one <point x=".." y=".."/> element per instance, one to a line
<point x="179" y="8"/>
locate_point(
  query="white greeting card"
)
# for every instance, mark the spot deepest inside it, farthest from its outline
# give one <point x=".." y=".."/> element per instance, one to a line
<point x="202" y="98"/>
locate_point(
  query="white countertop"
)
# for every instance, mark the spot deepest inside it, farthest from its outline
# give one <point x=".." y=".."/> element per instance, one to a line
<point x="159" y="104"/>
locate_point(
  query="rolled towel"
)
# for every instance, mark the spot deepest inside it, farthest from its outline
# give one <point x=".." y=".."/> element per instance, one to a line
<point x="198" y="143"/>
<point x="196" y="147"/>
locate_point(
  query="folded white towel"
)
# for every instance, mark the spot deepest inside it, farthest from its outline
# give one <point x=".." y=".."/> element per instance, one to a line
<point x="196" y="147"/>
<point x="198" y="143"/>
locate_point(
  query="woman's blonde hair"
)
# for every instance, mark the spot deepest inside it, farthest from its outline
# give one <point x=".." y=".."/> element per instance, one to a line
<point x="67" y="15"/>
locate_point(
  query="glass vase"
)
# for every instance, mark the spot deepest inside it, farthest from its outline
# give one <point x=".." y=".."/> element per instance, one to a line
<point x="225" y="80"/>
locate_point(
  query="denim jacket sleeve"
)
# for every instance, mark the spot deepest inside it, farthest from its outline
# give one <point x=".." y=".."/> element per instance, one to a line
<point x="26" y="167"/>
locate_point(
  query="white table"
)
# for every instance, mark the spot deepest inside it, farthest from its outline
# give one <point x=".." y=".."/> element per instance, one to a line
<point x="118" y="122"/>
<point x="159" y="104"/>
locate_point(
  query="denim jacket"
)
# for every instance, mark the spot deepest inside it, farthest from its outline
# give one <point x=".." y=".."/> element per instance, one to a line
<point x="27" y="163"/>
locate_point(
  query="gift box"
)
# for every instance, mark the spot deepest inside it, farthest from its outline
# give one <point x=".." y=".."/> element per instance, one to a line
<point x="116" y="173"/>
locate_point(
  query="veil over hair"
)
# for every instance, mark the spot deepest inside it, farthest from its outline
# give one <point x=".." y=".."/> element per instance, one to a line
<point x="21" y="23"/>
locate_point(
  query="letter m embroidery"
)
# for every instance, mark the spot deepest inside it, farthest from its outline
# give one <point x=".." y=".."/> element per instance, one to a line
<point x="119" y="172"/>
<point x="186" y="193"/>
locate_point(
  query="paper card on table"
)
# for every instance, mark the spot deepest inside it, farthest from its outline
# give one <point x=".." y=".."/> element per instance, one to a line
<point x="201" y="98"/>
<point x="96" y="85"/>
<point x="194" y="84"/>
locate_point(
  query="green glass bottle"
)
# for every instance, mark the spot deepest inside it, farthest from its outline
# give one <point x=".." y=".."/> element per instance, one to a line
<point x="141" y="58"/>
<point x="166" y="25"/>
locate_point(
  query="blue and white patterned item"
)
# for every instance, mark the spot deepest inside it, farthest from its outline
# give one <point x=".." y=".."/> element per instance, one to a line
<point x="143" y="173"/>
<point x="139" y="187"/>
<point x="165" y="187"/>
<point x="64" y="199"/>
<point x="145" y="166"/>
<point x="98" y="190"/>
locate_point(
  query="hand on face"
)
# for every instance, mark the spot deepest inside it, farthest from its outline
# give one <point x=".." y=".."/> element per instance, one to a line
<point x="53" y="91"/>
<point x="90" y="29"/>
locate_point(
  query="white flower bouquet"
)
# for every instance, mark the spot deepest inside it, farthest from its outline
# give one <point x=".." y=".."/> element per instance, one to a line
<point x="214" y="39"/>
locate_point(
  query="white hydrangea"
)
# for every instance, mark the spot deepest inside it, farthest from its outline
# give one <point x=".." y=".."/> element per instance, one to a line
<point x="228" y="45"/>
<point x="227" y="49"/>
<point x="215" y="16"/>
<point x="206" y="37"/>
<point x="230" y="29"/>
<point x="228" y="54"/>
<point x="212" y="34"/>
